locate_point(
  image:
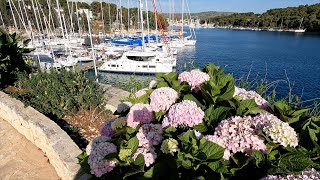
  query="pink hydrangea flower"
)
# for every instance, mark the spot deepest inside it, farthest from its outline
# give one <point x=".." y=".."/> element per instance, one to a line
<point x="305" y="175"/>
<point x="141" y="92"/>
<point x="161" y="99"/>
<point x="150" y="134"/>
<point x="148" y="154"/>
<point x="194" y="78"/>
<point x="186" y="113"/>
<point x="139" y="114"/>
<point x="244" y="95"/>
<point x="98" y="165"/>
<point x="106" y="129"/>
<point x="237" y="134"/>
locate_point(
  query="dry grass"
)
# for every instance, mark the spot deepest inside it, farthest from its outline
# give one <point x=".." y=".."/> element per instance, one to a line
<point x="89" y="122"/>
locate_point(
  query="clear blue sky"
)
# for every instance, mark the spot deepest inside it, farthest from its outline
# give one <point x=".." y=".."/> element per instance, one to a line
<point x="257" y="6"/>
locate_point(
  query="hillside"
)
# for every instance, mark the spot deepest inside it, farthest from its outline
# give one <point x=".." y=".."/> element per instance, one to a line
<point x="202" y="15"/>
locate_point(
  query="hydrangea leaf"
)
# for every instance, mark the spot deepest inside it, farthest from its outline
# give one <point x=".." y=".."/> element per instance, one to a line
<point x="258" y="156"/>
<point x="218" y="167"/>
<point x="133" y="144"/>
<point x="210" y="150"/>
<point x="187" y="137"/>
<point x="139" y="160"/>
<point x="295" y="161"/>
<point x="201" y="127"/>
<point x="194" y="99"/>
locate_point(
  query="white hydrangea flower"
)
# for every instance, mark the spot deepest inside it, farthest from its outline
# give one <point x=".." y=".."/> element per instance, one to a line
<point x="152" y="83"/>
<point x="169" y="146"/>
<point x="281" y="132"/>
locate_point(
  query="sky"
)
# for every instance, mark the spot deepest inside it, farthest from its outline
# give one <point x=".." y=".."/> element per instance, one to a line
<point x="257" y="6"/>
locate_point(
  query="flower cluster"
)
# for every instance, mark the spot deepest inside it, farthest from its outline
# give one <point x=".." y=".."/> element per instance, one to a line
<point x="281" y="132"/>
<point x="186" y="113"/>
<point x="150" y="134"/>
<point x="119" y="123"/>
<point x="98" y="164"/>
<point x="305" y="175"/>
<point x="194" y="78"/>
<point x="169" y="146"/>
<point x="237" y="134"/>
<point x="152" y="83"/>
<point x="95" y="142"/>
<point x="123" y="107"/>
<point x="244" y="95"/>
<point x="141" y="92"/>
<point x="161" y="99"/>
<point x="148" y="154"/>
<point x="139" y="114"/>
<point x="106" y="129"/>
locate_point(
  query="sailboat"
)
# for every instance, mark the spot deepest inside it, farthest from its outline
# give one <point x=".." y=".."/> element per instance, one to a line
<point x="300" y="30"/>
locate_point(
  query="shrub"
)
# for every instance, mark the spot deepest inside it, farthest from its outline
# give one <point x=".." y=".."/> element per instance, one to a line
<point x="59" y="93"/>
<point x="203" y="129"/>
<point x="11" y="60"/>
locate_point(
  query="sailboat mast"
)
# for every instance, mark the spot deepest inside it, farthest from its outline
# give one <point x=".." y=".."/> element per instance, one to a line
<point x="4" y="26"/>
<point x="141" y="22"/>
<point x="102" y="18"/>
<point x="121" y="27"/>
<point x="93" y="53"/>
<point x="109" y="14"/>
<point x="59" y="13"/>
<point x="79" y="28"/>
<point x="128" y="16"/>
<point x="14" y="19"/>
<point x="182" y="20"/>
<point x="148" y="24"/>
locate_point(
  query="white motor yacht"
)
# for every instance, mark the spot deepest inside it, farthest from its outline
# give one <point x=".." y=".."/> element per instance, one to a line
<point x="140" y="62"/>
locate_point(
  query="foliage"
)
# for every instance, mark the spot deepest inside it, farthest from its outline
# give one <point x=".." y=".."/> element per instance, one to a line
<point x="61" y="93"/>
<point x="188" y="152"/>
<point x="285" y="18"/>
<point x="95" y="7"/>
<point x="11" y="60"/>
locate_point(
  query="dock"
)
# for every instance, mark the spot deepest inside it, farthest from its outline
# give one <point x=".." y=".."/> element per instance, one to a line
<point x="85" y="66"/>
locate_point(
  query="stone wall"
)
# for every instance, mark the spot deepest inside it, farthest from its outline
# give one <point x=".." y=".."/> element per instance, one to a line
<point x="44" y="133"/>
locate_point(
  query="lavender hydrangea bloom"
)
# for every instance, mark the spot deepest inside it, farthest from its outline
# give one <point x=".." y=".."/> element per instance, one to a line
<point x="305" y="175"/>
<point x="123" y="107"/>
<point x="186" y="113"/>
<point x="161" y="99"/>
<point x="244" y="95"/>
<point x="95" y="142"/>
<point x="98" y="165"/>
<point x="150" y="134"/>
<point x="237" y="134"/>
<point x="106" y="129"/>
<point x="139" y="114"/>
<point x="194" y="78"/>
<point x="148" y="154"/>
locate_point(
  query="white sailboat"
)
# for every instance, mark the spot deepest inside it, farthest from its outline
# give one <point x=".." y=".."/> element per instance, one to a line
<point x="300" y="30"/>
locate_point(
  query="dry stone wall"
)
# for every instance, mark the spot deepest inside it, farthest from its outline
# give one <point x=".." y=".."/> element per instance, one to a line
<point x="44" y="133"/>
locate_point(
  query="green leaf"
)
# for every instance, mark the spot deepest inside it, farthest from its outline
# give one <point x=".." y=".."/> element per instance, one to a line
<point x="258" y="156"/>
<point x="139" y="160"/>
<point x="187" y="137"/>
<point x="217" y="114"/>
<point x="169" y="132"/>
<point x="218" y="167"/>
<point x="201" y="127"/>
<point x="295" y="162"/>
<point x="133" y="144"/>
<point x="210" y="150"/>
<point x="192" y="98"/>
<point x="247" y="106"/>
<point x="299" y="112"/>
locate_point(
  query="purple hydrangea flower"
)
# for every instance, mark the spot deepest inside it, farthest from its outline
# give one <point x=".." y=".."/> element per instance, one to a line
<point x="150" y="134"/>
<point x="244" y="95"/>
<point x="139" y="114"/>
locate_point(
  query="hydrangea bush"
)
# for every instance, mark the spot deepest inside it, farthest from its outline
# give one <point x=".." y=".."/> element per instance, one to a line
<point x="198" y="125"/>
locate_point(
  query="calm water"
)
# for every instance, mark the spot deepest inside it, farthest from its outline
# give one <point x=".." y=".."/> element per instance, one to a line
<point x="270" y="54"/>
<point x="267" y="54"/>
